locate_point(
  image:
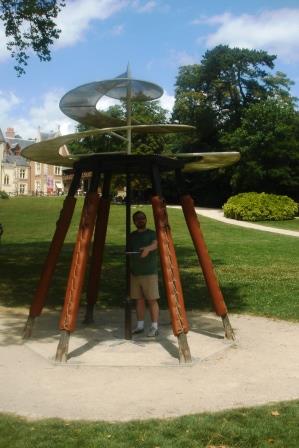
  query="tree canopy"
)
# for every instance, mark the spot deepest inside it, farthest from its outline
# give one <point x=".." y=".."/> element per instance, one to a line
<point x="268" y="140"/>
<point x="30" y="25"/>
<point x="237" y="102"/>
<point x="213" y="95"/>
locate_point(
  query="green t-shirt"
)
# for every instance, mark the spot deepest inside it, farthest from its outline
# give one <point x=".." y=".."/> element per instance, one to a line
<point x="146" y="265"/>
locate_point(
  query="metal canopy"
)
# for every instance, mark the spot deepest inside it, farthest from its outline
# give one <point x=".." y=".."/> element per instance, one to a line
<point x="49" y="151"/>
<point x="81" y="103"/>
<point x="204" y="161"/>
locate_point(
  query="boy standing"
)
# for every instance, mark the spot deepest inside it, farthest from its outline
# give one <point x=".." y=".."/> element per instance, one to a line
<point x="144" y="273"/>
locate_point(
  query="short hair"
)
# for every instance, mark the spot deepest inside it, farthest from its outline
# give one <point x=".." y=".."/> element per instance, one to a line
<point x="139" y="212"/>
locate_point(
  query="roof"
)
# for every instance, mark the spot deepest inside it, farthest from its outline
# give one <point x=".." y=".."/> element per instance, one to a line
<point x="12" y="159"/>
<point x="13" y="142"/>
<point x="2" y="139"/>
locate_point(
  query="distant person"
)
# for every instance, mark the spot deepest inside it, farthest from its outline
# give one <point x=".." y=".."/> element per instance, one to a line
<point x="144" y="273"/>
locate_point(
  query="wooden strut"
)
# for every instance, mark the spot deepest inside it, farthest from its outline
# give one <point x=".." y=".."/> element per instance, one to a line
<point x="70" y="310"/>
<point x="98" y="250"/>
<point x="171" y="278"/>
<point x="62" y="226"/>
<point x="127" y="301"/>
<point x="206" y="263"/>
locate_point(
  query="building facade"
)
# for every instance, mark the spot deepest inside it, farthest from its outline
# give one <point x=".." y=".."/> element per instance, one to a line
<point x="19" y="176"/>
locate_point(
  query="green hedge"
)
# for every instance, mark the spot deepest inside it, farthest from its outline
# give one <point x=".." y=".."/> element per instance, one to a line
<point x="260" y="207"/>
<point x="3" y="195"/>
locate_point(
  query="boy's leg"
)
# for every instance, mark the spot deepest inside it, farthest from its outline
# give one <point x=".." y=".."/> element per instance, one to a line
<point x="154" y="313"/>
<point x="154" y="310"/>
<point x="151" y="291"/>
<point x="140" y="309"/>
<point x="136" y="295"/>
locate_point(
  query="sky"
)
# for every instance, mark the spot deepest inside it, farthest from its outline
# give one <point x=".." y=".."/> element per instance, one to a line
<point x="99" y="37"/>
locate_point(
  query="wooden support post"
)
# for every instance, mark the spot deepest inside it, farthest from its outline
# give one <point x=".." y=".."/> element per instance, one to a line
<point x="228" y="330"/>
<point x="206" y="263"/>
<point x="184" y="351"/>
<point x="98" y="250"/>
<point x="128" y="306"/>
<point x="170" y="271"/>
<point x="79" y="262"/>
<point x="62" y="227"/>
<point x="27" y="332"/>
<point x="63" y="346"/>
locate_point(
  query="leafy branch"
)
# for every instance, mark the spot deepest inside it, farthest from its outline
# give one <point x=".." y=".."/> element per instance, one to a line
<point x="30" y="24"/>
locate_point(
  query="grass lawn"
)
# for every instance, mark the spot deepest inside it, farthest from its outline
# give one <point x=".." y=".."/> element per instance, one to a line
<point x="261" y="427"/>
<point x="290" y="224"/>
<point x="258" y="272"/>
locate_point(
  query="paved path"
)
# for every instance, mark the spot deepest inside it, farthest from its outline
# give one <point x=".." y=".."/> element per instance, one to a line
<point x="219" y="216"/>
<point x="109" y="378"/>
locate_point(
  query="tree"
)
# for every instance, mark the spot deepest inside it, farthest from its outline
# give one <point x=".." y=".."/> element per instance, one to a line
<point x="214" y="94"/>
<point x="268" y="139"/>
<point x="193" y="107"/>
<point x="30" y="24"/>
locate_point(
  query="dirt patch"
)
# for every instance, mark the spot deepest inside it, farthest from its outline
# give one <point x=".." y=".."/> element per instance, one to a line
<point x="109" y="378"/>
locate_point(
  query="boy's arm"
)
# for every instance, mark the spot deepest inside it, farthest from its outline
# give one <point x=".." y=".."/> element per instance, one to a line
<point x="147" y="249"/>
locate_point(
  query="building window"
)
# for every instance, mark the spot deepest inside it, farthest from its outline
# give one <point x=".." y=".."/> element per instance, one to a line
<point x="37" y="168"/>
<point x="57" y="170"/>
<point x="6" y="179"/>
<point x="22" y="173"/>
<point x="22" y="188"/>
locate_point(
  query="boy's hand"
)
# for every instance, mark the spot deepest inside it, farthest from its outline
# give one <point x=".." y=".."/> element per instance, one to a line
<point x="144" y="251"/>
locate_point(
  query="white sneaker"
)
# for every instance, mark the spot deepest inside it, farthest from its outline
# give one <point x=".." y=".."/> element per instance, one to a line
<point x="153" y="332"/>
<point x="138" y="330"/>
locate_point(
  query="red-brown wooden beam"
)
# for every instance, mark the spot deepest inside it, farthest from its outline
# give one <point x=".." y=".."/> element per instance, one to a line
<point x="62" y="226"/>
<point x="98" y="250"/>
<point x="69" y="313"/>
<point x="205" y="262"/>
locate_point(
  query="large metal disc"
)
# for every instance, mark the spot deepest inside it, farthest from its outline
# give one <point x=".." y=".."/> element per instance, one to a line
<point x="204" y="161"/>
<point x="80" y="103"/>
<point x="50" y="152"/>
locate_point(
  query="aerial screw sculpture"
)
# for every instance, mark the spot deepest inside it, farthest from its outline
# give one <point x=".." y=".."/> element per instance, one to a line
<point x="80" y="105"/>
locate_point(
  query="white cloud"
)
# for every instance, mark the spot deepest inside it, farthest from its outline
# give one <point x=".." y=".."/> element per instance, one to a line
<point x="144" y="7"/>
<point x="117" y="30"/>
<point x="7" y="103"/>
<point x="74" y="20"/>
<point x="276" y="31"/>
<point x="167" y="101"/>
<point x="105" y="102"/>
<point x="3" y="51"/>
<point x="47" y="115"/>
<point x="179" y="58"/>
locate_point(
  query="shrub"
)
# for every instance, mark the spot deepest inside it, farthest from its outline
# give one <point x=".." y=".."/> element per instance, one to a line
<point x="260" y="207"/>
<point x="3" y="195"/>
